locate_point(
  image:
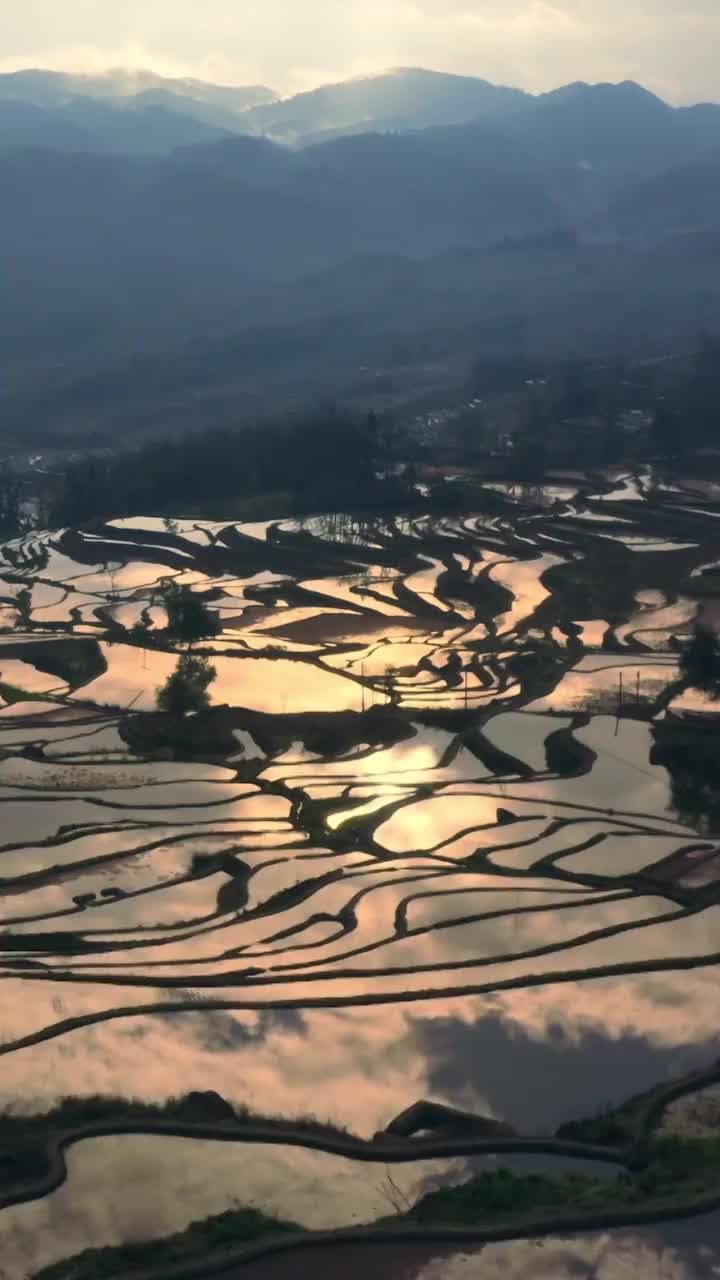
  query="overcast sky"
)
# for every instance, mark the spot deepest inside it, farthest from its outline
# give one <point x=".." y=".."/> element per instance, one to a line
<point x="672" y="46"/>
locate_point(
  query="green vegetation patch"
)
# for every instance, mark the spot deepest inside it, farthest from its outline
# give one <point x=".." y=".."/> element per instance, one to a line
<point x="11" y="694"/>
<point x="202" y="1239"/>
<point x="672" y="1171"/>
<point x="502" y="1194"/>
<point x="679" y="1168"/>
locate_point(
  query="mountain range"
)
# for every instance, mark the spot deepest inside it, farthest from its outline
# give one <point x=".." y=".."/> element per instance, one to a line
<point x="140" y="214"/>
<point x="112" y="111"/>
<point x="57" y="88"/>
<point x="406" y="98"/>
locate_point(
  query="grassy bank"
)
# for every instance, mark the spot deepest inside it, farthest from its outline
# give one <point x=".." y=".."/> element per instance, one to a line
<point x="675" y="1173"/>
<point x="200" y="1241"/>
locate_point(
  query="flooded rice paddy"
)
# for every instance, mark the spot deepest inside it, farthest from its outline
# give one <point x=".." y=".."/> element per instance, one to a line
<point x="670" y="1252"/>
<point x="430" y="842"/>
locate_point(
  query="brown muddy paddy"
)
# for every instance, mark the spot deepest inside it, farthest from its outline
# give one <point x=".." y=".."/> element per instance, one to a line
<point x="425" y="847"/>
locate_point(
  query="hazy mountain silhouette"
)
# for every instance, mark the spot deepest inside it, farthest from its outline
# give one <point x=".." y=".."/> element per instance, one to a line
<point x="405" y="98"/>
<point x="579" y="217"/>
<point x="682" y="199"/>
<point x="138" y="113"/>
<point x="85" y="124"/>
<point x="22" y="124"/>
<point x="56" y="88"/>
<point x="619" y="128"/>
<point x="189" y="235"/>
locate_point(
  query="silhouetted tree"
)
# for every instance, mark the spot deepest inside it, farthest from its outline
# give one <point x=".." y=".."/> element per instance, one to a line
<point x="694" y="768"/>
<point x="667" y="432"/>
<point x="531" y="445"/>
<point x="189" y="619"/>
<point x="11" y="522"/>
<point x="322" y="458"/>
<point x="578" y="398"/>
<point x="610" y="404"/>
<point x="389" y="684"/>
<point x="187" y="688"/>
<point x="700" y="662"/>
<point x="23" y="604"/>
<point x="704" y="393"/>
<point x="469" y="434"/>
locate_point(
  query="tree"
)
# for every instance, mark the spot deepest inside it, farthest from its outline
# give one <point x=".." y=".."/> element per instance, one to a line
<point x="11" y="517"/>
<point x="700" y="662"/>
<point x="23" y="604"/>
<point x="704" y="393"/>
<point x="188" y="618"/>
<point x="694" y="768"/>
<point x="388" y="684"/>
<point x="139" y="633"/>
<point x="610" y="399"/>
<point x="531" y="445"/>
<point x="187" y="688"/>
<point x="578" y="397"/>
<point x="667" y="429"/>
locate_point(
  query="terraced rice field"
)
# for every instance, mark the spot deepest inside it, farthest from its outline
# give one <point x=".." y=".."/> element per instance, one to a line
<point x="424" y="846"/>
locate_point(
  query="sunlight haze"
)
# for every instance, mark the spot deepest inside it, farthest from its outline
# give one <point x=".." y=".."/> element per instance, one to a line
<point x="292" y="45"/>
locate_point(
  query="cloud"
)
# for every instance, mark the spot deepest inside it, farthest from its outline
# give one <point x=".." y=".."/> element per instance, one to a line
<point x="292" y="44"/>
<point x="92" y="60"/>
<point x="486" y="1065"/>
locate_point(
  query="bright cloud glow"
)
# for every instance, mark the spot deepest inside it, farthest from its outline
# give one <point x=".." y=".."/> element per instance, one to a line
<point x="294" y="44"/>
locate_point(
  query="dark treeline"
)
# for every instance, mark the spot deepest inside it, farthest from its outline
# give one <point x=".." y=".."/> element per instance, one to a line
<point x="11" y="512"/>
<point x="688" y="413"/>
<point x="323" y="459"/>
<point x="594" y="411"/>
<point x="581" y="412"/>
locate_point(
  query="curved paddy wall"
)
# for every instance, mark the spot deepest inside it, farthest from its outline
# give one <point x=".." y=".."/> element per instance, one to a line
<point x="441" y="834"/>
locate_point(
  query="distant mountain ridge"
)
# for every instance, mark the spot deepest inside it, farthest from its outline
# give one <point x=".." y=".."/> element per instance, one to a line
<point x="408" y="97"/>
<point x="57" y="88"/>
<point x="142" y="217"/>
<point x="93" y="125"/>
<point x="135" y="112"/>
<point x="397" y="101"/>
<point x="618" y="128"/>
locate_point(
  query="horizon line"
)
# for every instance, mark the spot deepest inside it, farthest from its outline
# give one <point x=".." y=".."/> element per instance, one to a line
<point x="130" y="73"/>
